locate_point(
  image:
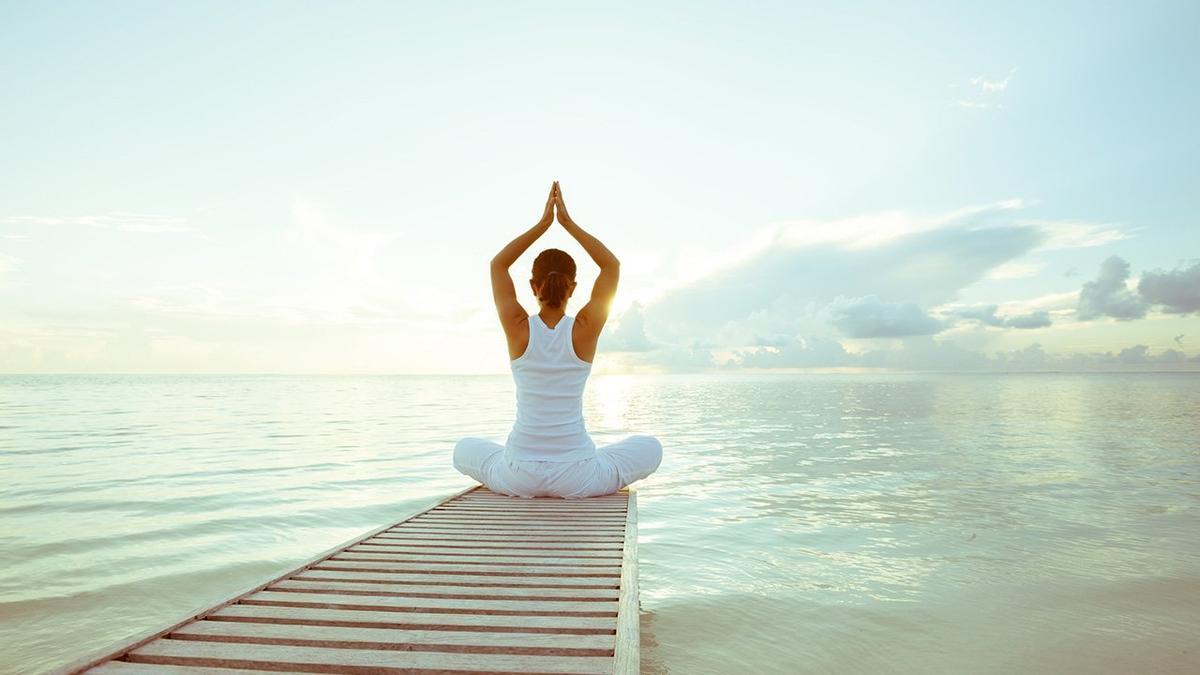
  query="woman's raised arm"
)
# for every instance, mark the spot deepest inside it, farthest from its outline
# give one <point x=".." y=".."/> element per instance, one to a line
<point x="503" y="291"/>
<point x="595" y="312"/>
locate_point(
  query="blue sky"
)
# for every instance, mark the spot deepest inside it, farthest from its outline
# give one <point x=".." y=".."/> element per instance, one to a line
<point x="317" y="187"/>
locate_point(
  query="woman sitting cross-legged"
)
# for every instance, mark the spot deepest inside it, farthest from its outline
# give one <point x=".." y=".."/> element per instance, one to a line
<point x="549" y="453"/>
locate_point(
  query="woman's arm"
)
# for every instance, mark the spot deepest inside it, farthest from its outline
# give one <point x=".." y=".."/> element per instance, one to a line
<point x="503" y="291"/>
<point x="595" y="312"/>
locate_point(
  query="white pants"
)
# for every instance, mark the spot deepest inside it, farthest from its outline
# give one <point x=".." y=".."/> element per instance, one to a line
<point x="613" y="467"/>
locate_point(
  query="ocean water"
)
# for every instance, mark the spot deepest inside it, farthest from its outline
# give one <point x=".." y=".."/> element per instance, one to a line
<point x="865" y="523"/>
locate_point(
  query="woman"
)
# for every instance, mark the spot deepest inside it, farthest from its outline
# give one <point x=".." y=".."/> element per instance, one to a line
<point x="549" y="452"/>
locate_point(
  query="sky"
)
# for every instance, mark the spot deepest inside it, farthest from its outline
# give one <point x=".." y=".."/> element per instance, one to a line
<point x="288" y="187"/>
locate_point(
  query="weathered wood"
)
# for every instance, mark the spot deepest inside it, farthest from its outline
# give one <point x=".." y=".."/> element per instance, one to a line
<point x="477" y="582"/>
<point x="384" y="555"/>
<point x="301" y="582"/>
<point x="127" y="668"/>
<point x="421" y="640"/>
<point x="241" y="655"/>
<point x="460" y="579"/>
<point x="627" y="657"/>
<point x="504" y="623"/>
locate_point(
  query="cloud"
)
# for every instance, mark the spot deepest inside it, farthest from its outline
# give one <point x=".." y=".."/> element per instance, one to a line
<point x="986" y="85"/>
<point x="784" y="286"/>
<point x="670" y="358"/>
<point x="7" y="262"/>
<point x="869" y="317"/>
<point x="1178" y="291"/>
<point x="930" y="354"/>
<point x="1140" y="355"/>
<point x="1064" y="234"/>
<point x="810" y="352"/>
<point x="629" y="334"/>
<point x="1015" y="270"/>
<point x="1134" y="354"/>
<point x="1108" y="295"/>
<point x="986" y="315"/>
<point x="125" y="221"/>
<point x="1040" y="319"/>
<point x="984" y="93"/>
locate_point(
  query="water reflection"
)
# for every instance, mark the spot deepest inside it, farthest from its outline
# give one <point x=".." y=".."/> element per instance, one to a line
<point x="859" y="523"/>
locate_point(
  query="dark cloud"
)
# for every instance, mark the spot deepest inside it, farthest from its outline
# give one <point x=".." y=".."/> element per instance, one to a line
<point x="1039" y="319"/>
<point x="870" y="317"/>
<point x="1178" y="291"/>
<point x="1108" y="296"/>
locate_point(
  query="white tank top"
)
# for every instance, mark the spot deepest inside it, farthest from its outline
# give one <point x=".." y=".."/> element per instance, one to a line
<point x="550" y="378"/>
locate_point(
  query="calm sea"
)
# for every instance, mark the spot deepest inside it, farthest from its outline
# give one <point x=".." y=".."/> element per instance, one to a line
<point x="798" y="524"/>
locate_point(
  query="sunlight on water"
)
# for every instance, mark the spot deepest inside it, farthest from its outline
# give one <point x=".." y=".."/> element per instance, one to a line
<point x="798" y="523"/>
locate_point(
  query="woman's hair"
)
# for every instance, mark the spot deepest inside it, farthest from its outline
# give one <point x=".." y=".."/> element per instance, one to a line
<point x="553" y="272"/>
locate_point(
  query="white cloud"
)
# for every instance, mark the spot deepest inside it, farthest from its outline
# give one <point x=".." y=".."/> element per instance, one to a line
<point x="868" y="317"/>
<point x="983" y="93"/>
<point x="1015" y="270"/>
<point x="116" y="220"/>
<point x="628" y="334"/>
<point x="986" y="315"/>
<point x="1063" y="234"/>
<point x="7" y="262"/>
<point x="785" y="284"/>
<point x="988" y="86"/>
<point x="927" y="353"/>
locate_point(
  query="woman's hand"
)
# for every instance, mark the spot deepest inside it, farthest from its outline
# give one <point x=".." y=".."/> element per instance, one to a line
<point x="548" y="213"/>
<point x="563" y="217"/>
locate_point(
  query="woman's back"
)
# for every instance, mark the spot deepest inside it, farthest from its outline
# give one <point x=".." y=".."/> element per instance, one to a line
<point x="550" y="379"/>
<point x="549" y="451"/>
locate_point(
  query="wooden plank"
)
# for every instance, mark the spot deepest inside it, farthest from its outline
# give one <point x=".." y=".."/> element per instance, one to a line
<point x="506" y="512"/>
<point x="433" y="542"/>
<point x="455" y="539"/>
<point x="417" y="568"/>
<point x="417" y="590"/>
<point x="588" y="555"/>
<point x="491" y="495"/>
<point x="615" y="529"/>
<point x="532" y="519"/>
<point x="478" y="642"/>
<point x="440" y="605"/>
<point x="381" y="661"/>
<point x="144" y="637"/>
<point x="493" y="506"/>
<point x="488" y="507"/>
<point x="480" y="562"/>
<point x="478" y="582"/>
<point x="502" y="623"/>
<point x="384" y="555"/>
<point x="445" y="541"/>
<point x="627" y="655"/>
<point x="127" y="668"/>
<point x="368" y="576"/>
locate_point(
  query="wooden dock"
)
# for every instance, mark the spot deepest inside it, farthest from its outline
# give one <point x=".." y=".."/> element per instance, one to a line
<point x="479" y="582"/>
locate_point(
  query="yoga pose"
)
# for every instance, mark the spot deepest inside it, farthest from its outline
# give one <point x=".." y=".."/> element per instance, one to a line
<point x="549" y="452"/>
